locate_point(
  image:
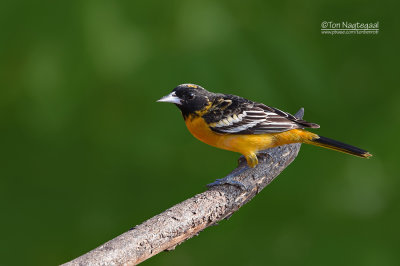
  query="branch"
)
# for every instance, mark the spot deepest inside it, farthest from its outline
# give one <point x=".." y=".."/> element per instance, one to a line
<point x="188" y="218"/>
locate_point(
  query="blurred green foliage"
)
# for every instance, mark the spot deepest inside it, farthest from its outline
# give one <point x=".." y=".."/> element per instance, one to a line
<point x="86" y="153"/>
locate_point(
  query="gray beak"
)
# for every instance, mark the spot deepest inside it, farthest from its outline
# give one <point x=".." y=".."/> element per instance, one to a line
<point x="170" y="98"/>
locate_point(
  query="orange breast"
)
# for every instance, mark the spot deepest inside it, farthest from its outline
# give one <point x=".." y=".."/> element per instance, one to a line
<point x="199" y="128"/>
<point x="244" y="144"/>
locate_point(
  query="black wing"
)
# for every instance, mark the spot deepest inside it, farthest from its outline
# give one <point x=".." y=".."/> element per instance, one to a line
<point x="236" y="115"/>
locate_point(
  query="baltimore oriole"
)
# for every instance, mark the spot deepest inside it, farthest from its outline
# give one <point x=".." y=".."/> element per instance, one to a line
<point x="236" y="124"/>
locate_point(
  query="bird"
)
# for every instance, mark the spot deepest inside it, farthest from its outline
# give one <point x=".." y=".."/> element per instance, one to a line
<point x="236" y="124"/>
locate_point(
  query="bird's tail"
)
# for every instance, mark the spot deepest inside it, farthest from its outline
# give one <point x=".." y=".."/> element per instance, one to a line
<point x="338" y="146"/>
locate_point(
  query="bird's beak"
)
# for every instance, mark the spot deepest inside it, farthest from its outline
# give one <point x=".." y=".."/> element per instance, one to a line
<point x="171" y="98"/>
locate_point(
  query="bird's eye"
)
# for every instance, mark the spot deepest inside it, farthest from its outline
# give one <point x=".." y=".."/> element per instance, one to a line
<point x="190" y="96"/>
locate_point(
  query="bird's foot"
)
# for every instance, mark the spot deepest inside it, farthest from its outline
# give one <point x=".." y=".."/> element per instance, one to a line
<point x="252" y="160"/>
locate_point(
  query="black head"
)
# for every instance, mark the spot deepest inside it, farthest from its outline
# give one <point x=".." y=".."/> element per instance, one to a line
<point x="188" y="97"/>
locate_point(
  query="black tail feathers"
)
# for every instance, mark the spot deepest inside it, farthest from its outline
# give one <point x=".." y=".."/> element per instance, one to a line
<point x="339" y="146"/>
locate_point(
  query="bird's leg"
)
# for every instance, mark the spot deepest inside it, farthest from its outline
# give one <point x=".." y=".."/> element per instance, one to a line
<point x="230" y="180"/>
<point x="252" y="160"/>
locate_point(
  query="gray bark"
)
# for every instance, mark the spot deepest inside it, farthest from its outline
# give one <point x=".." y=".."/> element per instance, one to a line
<point x="188" y="218"/>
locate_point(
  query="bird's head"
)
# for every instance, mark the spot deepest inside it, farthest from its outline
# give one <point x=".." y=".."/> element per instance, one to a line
<point x="189" y="98"/>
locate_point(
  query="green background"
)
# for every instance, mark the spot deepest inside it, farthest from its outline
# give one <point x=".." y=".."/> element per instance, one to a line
<point x="87" y="153"/>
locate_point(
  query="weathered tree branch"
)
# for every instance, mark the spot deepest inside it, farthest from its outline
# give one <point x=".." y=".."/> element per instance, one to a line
<point x="186" y="219"/>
